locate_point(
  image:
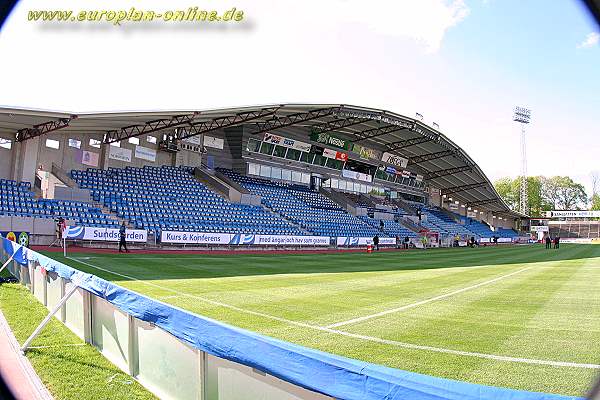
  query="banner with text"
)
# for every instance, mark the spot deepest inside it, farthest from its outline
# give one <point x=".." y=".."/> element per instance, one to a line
<point x="119" y="154"/>
<point x="394" y="160"/>
<point x="145" y="153"/>
<point x="336" y="155"/>
<point x="287" y="142"/>
<point x="215" y="143"/>
<point x="242" y="239"/>
<point x="572" y="214"/>
<point x="104" y="234"/>
<point x="363" y="241"/>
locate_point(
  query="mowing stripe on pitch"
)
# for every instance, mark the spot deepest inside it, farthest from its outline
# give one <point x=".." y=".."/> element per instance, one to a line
<point x="422" y="302"/>
<point x="410" y="346"/>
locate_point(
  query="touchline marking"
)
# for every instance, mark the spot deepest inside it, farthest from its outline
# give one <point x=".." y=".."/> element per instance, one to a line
<point x="422" y="302"/>
<point x="357" y="336"/>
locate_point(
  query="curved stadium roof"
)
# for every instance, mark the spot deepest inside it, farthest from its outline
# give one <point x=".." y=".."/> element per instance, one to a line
<point x="430" y="153"/>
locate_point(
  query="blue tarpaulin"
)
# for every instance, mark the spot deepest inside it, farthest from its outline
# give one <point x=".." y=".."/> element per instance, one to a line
<point x="335" y="376"/>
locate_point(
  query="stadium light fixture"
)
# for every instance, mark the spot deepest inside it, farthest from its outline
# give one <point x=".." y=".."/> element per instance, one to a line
<point x="523" y="116"/>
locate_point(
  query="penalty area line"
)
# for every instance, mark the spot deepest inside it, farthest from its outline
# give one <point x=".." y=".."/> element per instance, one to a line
<point x="394" y="343"/>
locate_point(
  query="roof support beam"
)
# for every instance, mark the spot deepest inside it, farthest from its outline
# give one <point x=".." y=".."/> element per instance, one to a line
<point x="379" y="131"/>
<point x="42" y="129"/>
<point x="431" y="156"/>
<point x="448" y="171"/>
<point x="481" y="202"/>
<point x="225" y="122"/>
<point x="462" y="188"/>
<point x="149" y="127"/>
<point x="407" y="143"/>
<point x="278" y="122"/>
<point x="335" y="125"/>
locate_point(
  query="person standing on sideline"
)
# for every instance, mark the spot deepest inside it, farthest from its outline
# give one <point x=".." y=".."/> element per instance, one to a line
<point x="424" y="242"/>
<point x="548" y="242"/>
<point x="556" y="242"/>
<point x="406" y="241"/>
<point x="376" y="242"/>
<point x="397" y="241"/>
<point x="122" y="234"/>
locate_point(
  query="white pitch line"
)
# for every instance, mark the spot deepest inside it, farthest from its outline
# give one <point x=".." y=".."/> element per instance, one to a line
<point x="422" y="302"/>
<point x="51" y="346"/>
<point x="410" y="346"/>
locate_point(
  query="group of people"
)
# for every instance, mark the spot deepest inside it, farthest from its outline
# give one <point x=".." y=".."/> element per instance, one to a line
<point x="549" y="242"/>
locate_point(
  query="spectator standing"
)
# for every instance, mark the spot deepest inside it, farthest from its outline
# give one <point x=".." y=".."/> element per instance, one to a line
<point x="406" y="242"/>
<point x="122" y="236"/>
<point x="376" y="242"/>
<point x="548" y="242"/>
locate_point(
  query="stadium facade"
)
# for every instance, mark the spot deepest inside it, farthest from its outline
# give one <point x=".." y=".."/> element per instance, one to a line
<point x="339" y="171"/>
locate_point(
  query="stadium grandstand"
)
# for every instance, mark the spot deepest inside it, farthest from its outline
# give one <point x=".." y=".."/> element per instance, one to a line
<point x="256" y="270"/>
<point x="281" y="170"/>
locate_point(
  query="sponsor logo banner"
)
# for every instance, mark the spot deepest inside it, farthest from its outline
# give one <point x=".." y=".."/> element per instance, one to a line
<point x="86" y="157"/>
<point x="145" y="153"/>
<point x="366" y="153"/>
<point x="242" y="239"/>
<point x="390" y="170"/>
<point x="104" y="234"/>
<point x="194" y="237"/>
<point x="16" y="236"/>
<point x="330" y="140"/>
<point x="279" y="240"/>
<point x="363" y="241"/>
<point x="356" y="175"/>
<point x="539" y="228"/>
<point x="195" y="140"/>
<point x="119" y="154"/>
<point x="336" y="155"/>
<point x="287" y="142"/>
<point x="572" y="214"/>
<point x="578" y="240"/>
<point x="406" y="174"/>
<point x="215" y="143"/>
<point x="394" y="160"/>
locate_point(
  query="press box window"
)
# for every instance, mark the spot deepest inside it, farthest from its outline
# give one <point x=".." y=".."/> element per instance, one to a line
<point x="134" y="140"/>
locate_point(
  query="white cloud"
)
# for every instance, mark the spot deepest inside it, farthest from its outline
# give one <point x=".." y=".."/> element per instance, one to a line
<point x="424" y="21"/>
<point x="591" y="39"/>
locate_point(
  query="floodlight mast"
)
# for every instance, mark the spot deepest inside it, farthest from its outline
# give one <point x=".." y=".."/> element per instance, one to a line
<point x="523" y="117"/>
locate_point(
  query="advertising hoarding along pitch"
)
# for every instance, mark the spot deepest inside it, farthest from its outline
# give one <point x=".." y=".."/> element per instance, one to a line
<point x="572" y="214"/>
<point x="241" y="239"/>
<point x="103" y="234"/>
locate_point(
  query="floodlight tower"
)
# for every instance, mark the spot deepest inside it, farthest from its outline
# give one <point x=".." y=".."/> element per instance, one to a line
<point x="523" y="116"/>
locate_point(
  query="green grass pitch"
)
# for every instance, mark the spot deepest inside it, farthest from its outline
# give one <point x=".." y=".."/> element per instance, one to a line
<point x="519" y="317"/>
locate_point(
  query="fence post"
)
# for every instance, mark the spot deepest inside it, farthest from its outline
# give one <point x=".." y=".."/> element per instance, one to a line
<point x="203" y="370"/>
<point x="63" y="309"/>
<point x="133" y="356"/>
<point x="87" y="317"/>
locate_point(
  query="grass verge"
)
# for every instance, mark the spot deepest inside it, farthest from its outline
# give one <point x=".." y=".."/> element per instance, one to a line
<point x="69" y="372"/>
